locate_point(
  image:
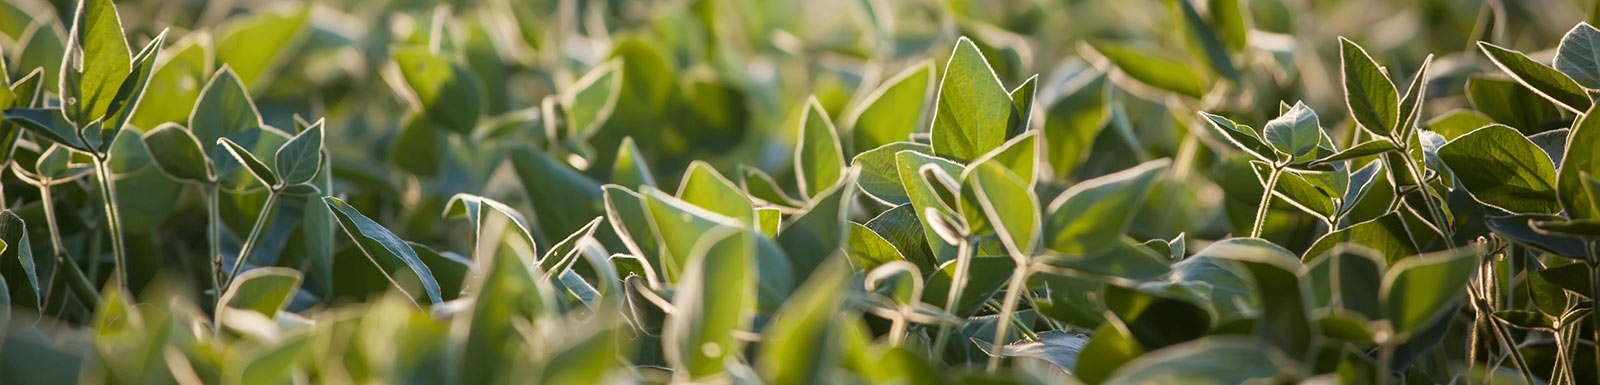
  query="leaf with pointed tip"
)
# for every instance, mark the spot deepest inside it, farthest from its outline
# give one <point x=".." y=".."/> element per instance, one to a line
<point x="1387" y="235"/>
<point x="711" y="302"/>
<point x="299" y="160"/>
<point x="973" y="111"/>
<point x="96" y="63"/>
<point x="703" y="186"/>
<point x="1507" y="171"/>
<point x="48" y="123"/>
<point x="506" y="295"/>
<point x="1578" y="56"/>
<point x="818" y="230"/>
<point x="176" y="83"/>
<point x="1545" y="81"/>
<point x="588" y="102"/>
<point x="563" y="199"/>
<point x="1242" y="137"/>
<point x="1365" y="149"/>
<point x="224" y="110"/>
<point x="1412" y="101"/>
<point x="1009" y="205"/>
<point x="258" y="45"/>
<point x="264" y="290"/>
<point x="625" y="211"/>
<point x="925" y="196"/>
<point x="131" y="90"/>
<point x="678" y="225"/>
<point x="818" y="160"/>
<point x="1203" y="40"/>
<point x="1582" y="155"/>
<point x="760" y="186"/>
<point x="1296" y="132"/>
<point x="383" y="248"/>
<point x="1149" y="68"/>
<point x="1419" y="290"/>
<point x="880" y="174"/>
<point x="893" y="111"/>
<point x="1022" y="99"/>
<point x="177" y="153"/>
<point x="1088" y="218"/>
<point x="867" y="250"/>
<point x="1370" y="96"/>
<point x="630" y="169"/>
<point x="24" y="287"/>
<point x="1019" y="155"/>
<point x="446" y="91"/>
<point x="257" y="168"/>
<point x="471" y="207"/>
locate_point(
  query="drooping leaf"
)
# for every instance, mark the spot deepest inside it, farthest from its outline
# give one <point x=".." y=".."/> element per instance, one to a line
<point x="383" y="248"/>
<point x="1545" y="81"/>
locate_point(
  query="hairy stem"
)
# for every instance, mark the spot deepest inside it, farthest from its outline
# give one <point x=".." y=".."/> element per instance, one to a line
<point x="255" y="234"/>
<point x="1019" y="279"/>
<point x="1266" y="201"/>
<point x="957" y="284"/>
<point x="79" y="283"/>
<point x="214" y="238"/>
<point x="108" y="194"/>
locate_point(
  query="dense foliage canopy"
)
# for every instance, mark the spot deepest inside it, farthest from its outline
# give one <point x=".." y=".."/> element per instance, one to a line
<point x="807" y="192"/>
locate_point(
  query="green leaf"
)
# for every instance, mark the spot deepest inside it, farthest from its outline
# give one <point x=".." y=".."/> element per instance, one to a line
<point x="1297" y="189"/>
<point x="1111" y="347"/>
<point x="299" y="160"/>
<point x="711" y="302"/>
<point x="630" y="169"/>
<point x="795" y="348"/>
<point x="1458" y="122"/>
<point x="1009" y="205"/>
<point x="880" y="174"/>
<point x="893" y="111"/>
<point x="762" y="188"/>
<point x="257" y="168"/>
<point x="1295" y="132"/>
<point x="1342" y="279"/>
<point x="974" y="111"/>
<point x="703" y="186"/>
<point x="177" y="153"/>
<point x="1212" y="360"/>
<point x="1203" y="40"/>
<point x="449" y="269"/>
<point x="1369" y="94"/>
<point x="258" y="45"/>
<point x="1149" y="68"/>
<point x="867" y="250"/>
<point x="1507" y="171"/>
<point x="588" y="102"/>
<point x="1582" y="155"/>
<point x="1417" y="291"/>
<point x="625" y="211"/>
<point x="1545" y="81"/>
<point x="47" y="123"/>
<point x="471" y="207"/>
<point x="131" y="91"/>
<point x="1511" y="104"/>
<point x="264" y="290"/>
<point x="901" y="227"/>
<point x="924" y="196"/>
<point x="446" y="91"/>
<point x="224" y="110"/>
<point x="175" y="84"/>
<point x="1089" y="217"/>
<point x="1022" y="99"/>
<point x="1072" y="122"/>
<point x="818" y="158"/>
<point x="383" y="248"/>
<point x="96" y="63"/>
<point x="1578" y="56"/>
<point x="1242" y="137"/>
<point x="1412" y="101"/>
<point x="506" y="296"/>
<point x="1283" y="321"/>
<point x="1231" y="20"/>
<point x="563" y="199"/>
<point x="25" y="290"/>
<point x="678" y="225"/>
<point x="1019" y="155"/>
<point x="1387" y="235"/>
<point x="41" y="47"/>
<point x="818" y="230"/>
<point x="1365" y="149"/>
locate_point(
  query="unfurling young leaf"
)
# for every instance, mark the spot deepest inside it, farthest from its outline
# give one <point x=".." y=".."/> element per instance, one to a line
<point x="1295" y="133"/>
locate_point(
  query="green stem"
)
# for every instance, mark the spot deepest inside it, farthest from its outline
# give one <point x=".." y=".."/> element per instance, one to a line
<point x="958" y="283"/>
<point x="1266" y="201"/>
<point x="1019" y="278"/>
<point x="108" y="193"/>
<point x="255" y="234"/>
<point x="1385" y="356"/>
<point x="214" y="233"/>
<point x="80" y="284"/>
<point x="1427" y="198"/>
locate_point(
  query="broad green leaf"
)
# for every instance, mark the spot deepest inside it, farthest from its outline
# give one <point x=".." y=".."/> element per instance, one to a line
<point x="224" y="110"/>
<point x="1370" y="96"/>
<point x="867" y="250"/>
<point x="264" y="290"/>
<point x="1578" y="56"/>
<point x="1582" y="155"/>
<point x="1283" y="321"/>
<point x="901" y="227"/>
<point x="446" y="91"/>
<point x="924" y="196"/>
<point x="257" y="168"/>
<point x="678" y="225"/>
<point x="563" y="199"/>
<point x="1298" y="189"/>
<point x="893" y="111"/>
<point x="271" y="364"/>
<point x="506" y="296"/>
<point x="258" y="45"/>
<point x="1072" y="122"/>
<point x="1019" y="155"/>
<point x="1417" y="291"/>
<point x="1009" y="205"/>
<point x="769" y="221"/>
<point x="177" y="153"/>
<point x="819" y="229"/>
<point x="1295" y="132"/>
<point x="383" y="248"/>
<point x="1509" y="103"/>
<point x="97" y="61"/>
<point x="21" y="271"/>
<point x="1211" y="360"/>
<point x="973" y="111"/>
<point x="41" y="46"/>
<point x="1458" y="122"/>
<point x="298" y="160"/>
<point x="703" y="186"/>
<point x="818" y="158"/>
<point x="795" y="348"/>
<point x="130" y="91"/>
<point x="1203" y="40"/>
<point x="630" y="169"/>
<point x="1164" y="315"/>
<point x="762" y="187"/>
<point x="1110" y="347"/>
<point x="1546" y="81"/>
<point x="986" y="276"/>
<point x="1342" y="279"/>
<point x="1149" y="68"/>
<point x="625" y="211"/>
<point x="1388" y="235"/>
<point x="1242" y="137"/>
<point x="176" y="83"/>
<point x="712" y="301"/>
<point x="48" y="123"/>
<point x="1365" y="149"/>
<point x="1087" y="218"/>
<point x="1504" y="170"/>
<point x="588" y="102"/>
<point x="880" y="174"/>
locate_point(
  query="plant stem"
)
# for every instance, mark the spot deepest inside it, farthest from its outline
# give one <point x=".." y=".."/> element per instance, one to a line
<point x="214" y="233"/>
<point x="108" y="193"/>
<point x="1266" y="201"/>
<point x="255" y="234"/>
<point x="1385" y="356"/>
<point x="953" y="298"/>
<point x="1019" y="279"/>
<point x="80" y="284"/>
<point x="1427" y="198"/>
